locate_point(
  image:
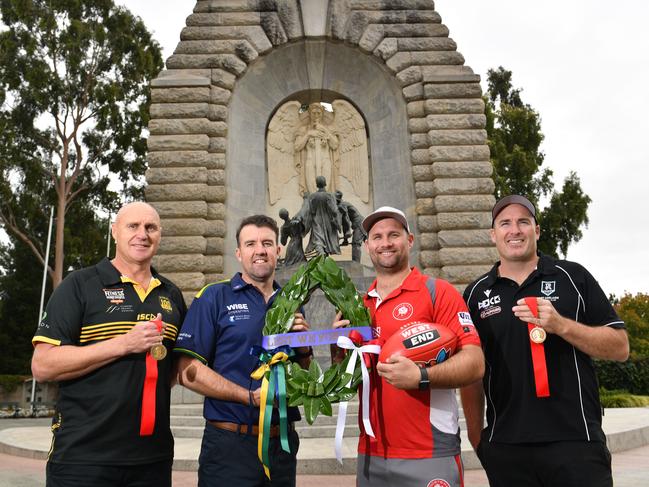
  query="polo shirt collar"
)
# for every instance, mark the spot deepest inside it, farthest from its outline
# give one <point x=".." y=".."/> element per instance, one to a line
<point x="412" y="282"/>
<point x="238" y="284"/>
<point x="545" y="266"/>
<point x="109" y="275"/>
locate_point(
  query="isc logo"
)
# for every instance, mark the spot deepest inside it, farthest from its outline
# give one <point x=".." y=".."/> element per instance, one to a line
<point x="492" y="301"/>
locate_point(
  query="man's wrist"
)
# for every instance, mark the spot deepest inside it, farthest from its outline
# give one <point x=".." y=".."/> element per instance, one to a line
<point x="424" y="381"/>
<point x="302" y="352"/>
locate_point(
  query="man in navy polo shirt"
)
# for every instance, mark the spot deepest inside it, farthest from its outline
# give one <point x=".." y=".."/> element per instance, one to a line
<point x="224" y="321"/>
<point x="543" y="410"/>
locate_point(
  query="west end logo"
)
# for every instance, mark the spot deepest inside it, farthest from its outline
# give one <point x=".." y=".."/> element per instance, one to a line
<point x="165" y="304"/>
<point x="115" y="296"/>
<point x="548" y="287"/>
<point x="402" y="311"/>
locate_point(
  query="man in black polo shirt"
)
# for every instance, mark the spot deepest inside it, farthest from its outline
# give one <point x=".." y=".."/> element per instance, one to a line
<point x="97" y="338"/>
<point x="543" y="409"/>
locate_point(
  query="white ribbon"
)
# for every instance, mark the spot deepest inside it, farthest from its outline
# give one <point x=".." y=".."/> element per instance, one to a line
<point x="357" y="353"/>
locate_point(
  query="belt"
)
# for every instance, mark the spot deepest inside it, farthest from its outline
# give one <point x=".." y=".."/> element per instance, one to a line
<point x="243" y="429"/>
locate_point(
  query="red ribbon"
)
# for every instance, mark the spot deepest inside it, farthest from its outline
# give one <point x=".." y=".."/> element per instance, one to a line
<point x="149" y="391"/>
<point x="538" y="355"/>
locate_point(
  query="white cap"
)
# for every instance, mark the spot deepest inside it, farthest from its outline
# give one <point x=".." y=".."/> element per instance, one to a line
<point x="385" y="212"/>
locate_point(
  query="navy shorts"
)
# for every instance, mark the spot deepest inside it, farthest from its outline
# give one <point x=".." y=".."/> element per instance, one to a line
<point x="230" y="458"/>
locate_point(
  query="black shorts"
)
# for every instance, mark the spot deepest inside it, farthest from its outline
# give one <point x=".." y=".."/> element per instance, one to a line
<point x="554" y="464"/>
<point x="68" y="475"/>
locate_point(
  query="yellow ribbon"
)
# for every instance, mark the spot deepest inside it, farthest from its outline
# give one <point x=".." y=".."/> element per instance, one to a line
<point x="265" y="416"/>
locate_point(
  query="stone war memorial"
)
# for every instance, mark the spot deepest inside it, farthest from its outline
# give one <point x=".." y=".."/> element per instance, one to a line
<point x="261" y="97"/>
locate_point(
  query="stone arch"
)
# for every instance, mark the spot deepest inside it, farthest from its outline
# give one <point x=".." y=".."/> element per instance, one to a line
<point x="255" y="98"/>
<point x="199" y="103"/>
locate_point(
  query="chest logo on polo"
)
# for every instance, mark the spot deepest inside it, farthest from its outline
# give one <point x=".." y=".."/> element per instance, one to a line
<point x="165" y="304"/>
<point x="548" y="287"/>
<point x="490" y="305"/>
<point x="438" y="483"/>
<point x="237" y="311"/>
<point x="115" y="296"/>
<point x="402" y="311"/>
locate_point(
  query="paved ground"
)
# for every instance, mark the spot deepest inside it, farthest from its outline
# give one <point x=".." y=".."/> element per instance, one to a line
<point x="630" y="468"/>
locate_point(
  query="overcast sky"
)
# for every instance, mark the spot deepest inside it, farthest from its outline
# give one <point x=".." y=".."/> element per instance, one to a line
<point x="583" y="66"/>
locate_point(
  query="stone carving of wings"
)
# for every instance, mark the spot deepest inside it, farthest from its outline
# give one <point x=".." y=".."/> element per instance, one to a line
<point x="354" y="163"/>
<point x="280" y="150"/>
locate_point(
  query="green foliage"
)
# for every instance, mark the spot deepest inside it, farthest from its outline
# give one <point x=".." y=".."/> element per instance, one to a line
<point x="9" y="383"/>
<point x="317" y="391"/>
<point x="320" y="272"/>
<point x="634" y="310"/>
<point x="631" y="376"/>
<point x="311" y="388"/>
<point x="515" y="137"/>
<point x="621" y="399"/>
<point x="74" y="94"/>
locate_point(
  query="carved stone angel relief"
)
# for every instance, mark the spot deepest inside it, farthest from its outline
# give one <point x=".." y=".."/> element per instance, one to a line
<point x="317" y="142"/>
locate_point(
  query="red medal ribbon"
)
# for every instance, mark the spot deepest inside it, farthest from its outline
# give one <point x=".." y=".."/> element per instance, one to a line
<point x="149" y="391"/>
<point x="538" y="355"/>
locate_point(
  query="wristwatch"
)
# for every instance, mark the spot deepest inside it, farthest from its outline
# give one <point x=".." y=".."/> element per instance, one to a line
<point x="424" y="382"/>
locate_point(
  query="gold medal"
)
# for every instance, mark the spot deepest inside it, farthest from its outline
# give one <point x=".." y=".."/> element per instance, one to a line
<point x="158" y="351"/>
<point x="538" y="334"/>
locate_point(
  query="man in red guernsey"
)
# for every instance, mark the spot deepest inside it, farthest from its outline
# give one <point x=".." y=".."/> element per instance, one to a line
<point x="413" y="410"/>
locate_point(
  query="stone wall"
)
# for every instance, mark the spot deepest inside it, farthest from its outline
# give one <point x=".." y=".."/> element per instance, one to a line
<point x="448" y="185"/>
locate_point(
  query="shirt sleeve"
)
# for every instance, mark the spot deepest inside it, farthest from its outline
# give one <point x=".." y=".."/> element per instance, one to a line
<point x="61" y="321"/>
<point x="598" y="309"/>
<point x="450" y="310"/>
<point x="199" y="332"/>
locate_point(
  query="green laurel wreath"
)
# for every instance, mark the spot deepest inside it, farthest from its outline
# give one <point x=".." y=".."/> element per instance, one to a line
<point x="312" y="388"/>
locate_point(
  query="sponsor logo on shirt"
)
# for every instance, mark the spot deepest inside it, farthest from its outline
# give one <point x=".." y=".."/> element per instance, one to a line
<point x="237" y="307"/>
<point x="237" y="311"/>
<point x="548" y="287"/>
<point x="115" y="296"/>
<point x="183" y="336"/>
<point x="121" y="308"/>
<point x="402" y="311"/>
<point x="489" y="306"/>
<point x="165" y="304"/>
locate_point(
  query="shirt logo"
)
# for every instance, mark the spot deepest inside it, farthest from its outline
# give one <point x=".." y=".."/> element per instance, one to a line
<point x="492" y="301"/>
<point x="438" y="483"/>
<point x="115" y="296"/>
<point x="548" y="287"/>
<point x="487" y="292"/>
<point x="402" y="311"/>
<point x="165" y="304"/>
<point x="237" y="307"/>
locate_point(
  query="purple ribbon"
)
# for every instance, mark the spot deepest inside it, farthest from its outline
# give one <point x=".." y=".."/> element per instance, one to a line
<point x="313" y="338"/>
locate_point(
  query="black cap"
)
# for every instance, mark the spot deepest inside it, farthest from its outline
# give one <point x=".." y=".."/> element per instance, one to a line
<point x="513" y="199"/>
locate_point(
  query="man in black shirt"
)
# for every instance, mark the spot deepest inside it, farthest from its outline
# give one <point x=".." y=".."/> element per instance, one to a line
<point x="540" y="321"/>
<point x="98" y="338"/>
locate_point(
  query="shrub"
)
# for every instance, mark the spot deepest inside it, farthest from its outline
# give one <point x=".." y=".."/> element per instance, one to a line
<point x="631" y="376"/>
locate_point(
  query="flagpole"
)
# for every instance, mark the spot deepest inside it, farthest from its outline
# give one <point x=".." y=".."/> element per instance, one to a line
<point x="40" y="309"/>
<point x="108" y="238"/>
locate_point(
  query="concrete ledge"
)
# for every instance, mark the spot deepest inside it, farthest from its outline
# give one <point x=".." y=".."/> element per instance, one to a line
<point x="625" y="429"/>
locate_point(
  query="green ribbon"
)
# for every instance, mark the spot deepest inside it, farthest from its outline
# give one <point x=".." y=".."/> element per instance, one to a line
<point x="272" y="372"/>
